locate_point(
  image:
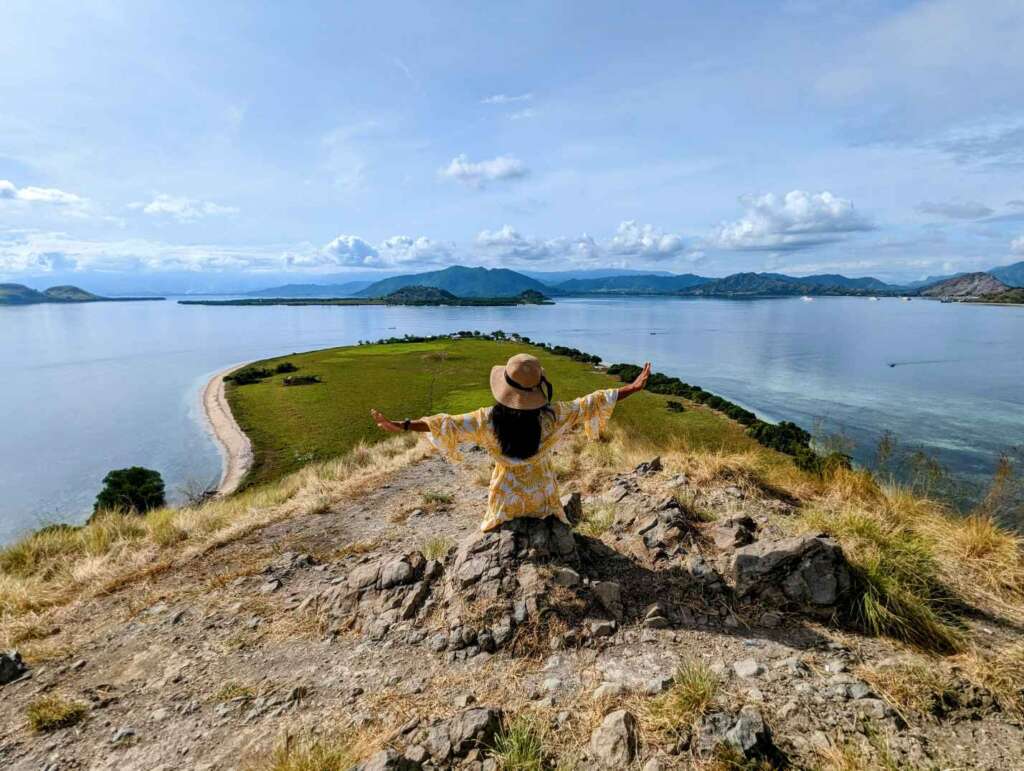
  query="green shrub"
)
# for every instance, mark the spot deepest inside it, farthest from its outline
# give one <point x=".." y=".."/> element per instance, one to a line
<point x="285" y="367"/>
<point x="674" y="406"/>
<point x="248" y="375"/>
<point x="297" y="380"/>
<point x="134" y="489"/>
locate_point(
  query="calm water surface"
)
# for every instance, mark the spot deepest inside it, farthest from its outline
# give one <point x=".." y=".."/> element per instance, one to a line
<point x="89" y="388"/>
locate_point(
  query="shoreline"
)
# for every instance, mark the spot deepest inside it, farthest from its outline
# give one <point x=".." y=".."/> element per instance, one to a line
<point x="232" y="443"/>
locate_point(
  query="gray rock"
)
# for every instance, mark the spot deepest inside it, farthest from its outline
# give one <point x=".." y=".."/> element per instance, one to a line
<point x="419" y="592"/>
<point x="474" y="728"/>
<point x="656" y="622"/>
<point x="122" y="735"/>
<point x="616" y="494"/>
<point x="713" y="729"/>
<point x="747" y="668"/>
<point x="653" y="765"/>
<point x="734" y="532"/>
<point x="873" y="708"/>
<point x="609" y="594"/>
<point x="602" y="628"/>
<point x="364" y="576"/>
<point x="11" y="667"/>
<point x="748" y="733"/>
<point x="389" y="760"/>
<point x="614" y="743"/>
<point x="608" y="691"/>
<point x="652" y="466"/>
<point x="395" y="573"/>
<point x="809" y="570"/>
<point x="566" y="577"/>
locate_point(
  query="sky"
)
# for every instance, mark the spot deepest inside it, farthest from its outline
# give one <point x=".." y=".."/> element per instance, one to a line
<point x="236" y="142"/>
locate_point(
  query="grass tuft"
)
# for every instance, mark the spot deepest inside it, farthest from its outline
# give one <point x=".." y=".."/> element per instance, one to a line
<point x="49" y="713"/>
<point x="693" y="691"/>
<point x="597" y="519"/>
<point x="520" y="745"/>
<point x="335" y="751"/>
<point x="436" y="548"/>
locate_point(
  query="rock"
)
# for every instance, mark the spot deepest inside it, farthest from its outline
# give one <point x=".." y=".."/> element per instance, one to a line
<point x="566" y="577"/>
<point x="747" y="668"/>
<point x="809" y="570"/>
<point x="616" y="494"/>
<point x="835" y="666"/>
<point x="395" y="573"/>
<point x="608" y="691"/>
<point x="602" y="628"/>
<point x="572" y="505"/>
<point x="122" y="735"/>
<point x="749" y="733"/>
<point x="653" y="765"/>
<point x="656" y="622"/>
<point x="873" y="708"/>
<point x="713" y="729"/>
<point x="389" y="760"/>
<point x="474" y="728"/>
<point x="734" y="532"/>
<point x="11" y="667"/>
<point x="658" y="684"/>
<point x="614" y="743"/>
<point x="413" y="600"/>
<point x="364" y="576"/>
<point x="609" y="594"/>
<point x="648" y="467"/>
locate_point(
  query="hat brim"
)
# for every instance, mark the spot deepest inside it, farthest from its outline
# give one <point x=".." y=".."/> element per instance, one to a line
<point x="512" y="397"/>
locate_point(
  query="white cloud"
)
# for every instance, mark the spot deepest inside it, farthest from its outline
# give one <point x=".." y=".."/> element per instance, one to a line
<point x="959" y="210"/>
<point x="506" y="99"/>
<point x="182" y="208"/>
<point x="797" y="220"/>
<point x="400" y="250"/>
<point x="633" y="244"/>
<point x="479" y="173"/>
<point x="632" y="239"/>
<point x="526" y="114"/>
<point x="46" y="195"/>
<point x="1017" y="245"/>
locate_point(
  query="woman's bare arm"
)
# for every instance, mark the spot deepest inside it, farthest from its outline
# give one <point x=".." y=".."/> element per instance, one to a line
<point x="637" y="385"/>
<point x="392" y="426"/>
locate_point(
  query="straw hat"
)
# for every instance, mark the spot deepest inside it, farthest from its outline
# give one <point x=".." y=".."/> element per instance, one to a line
<point x="520" y="383"/>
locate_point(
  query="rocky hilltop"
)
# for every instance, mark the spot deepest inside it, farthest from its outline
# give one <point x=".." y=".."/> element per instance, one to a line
<point x="681" y="622"/>
<point x="967" y="286"/>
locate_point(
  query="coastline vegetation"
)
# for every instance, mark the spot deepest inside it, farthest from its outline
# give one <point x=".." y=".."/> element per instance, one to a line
<point x="923" y="571"/>
<point x="410" y="295"/>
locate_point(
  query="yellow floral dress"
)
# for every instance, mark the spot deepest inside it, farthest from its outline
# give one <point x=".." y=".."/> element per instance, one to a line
<point x="522" y="488"/>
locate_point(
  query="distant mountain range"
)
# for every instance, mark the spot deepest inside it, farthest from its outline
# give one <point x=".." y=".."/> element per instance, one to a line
<point x="349" y="289"/>
<point x="19" y="294"/>
<point x="469" y="282"/>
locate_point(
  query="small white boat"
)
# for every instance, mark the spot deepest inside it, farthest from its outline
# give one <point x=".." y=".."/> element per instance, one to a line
<point x="905" y="299"/>
<point x="807" y="299"/>
<point x="873" y="299"/>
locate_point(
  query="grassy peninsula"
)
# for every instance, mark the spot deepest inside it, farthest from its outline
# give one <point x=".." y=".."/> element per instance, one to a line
<point x="286" y="626"/>
<point x="19" y="294"/>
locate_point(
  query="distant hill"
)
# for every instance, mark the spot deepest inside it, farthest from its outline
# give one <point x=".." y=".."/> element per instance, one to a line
<point x="349" y="289"/>
<point x="634" y="284"/>
<point x="19" y="294"/>
<point x="779" y="285"/>
<point x="555" y="277"/>
<point x="461" y="282"/>
<point x="1011" y="275"/>
<point x="1014" y="296"/>
<point x="967" y="285"/>
<point x="425" y="294"/>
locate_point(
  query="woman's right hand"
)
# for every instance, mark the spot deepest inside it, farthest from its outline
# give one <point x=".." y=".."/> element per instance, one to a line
<point x="640" y="383"/>
<point x="383" y="423"/>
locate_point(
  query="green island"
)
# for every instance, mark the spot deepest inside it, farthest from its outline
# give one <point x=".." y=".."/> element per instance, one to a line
<point x="409" y="295"/>
<point x="19" y="294"/>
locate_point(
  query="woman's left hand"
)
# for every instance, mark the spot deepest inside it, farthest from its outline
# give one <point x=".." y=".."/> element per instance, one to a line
<point x="384" y="423"/>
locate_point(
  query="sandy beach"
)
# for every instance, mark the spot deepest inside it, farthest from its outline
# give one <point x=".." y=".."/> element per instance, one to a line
<point x="235" y="447"/>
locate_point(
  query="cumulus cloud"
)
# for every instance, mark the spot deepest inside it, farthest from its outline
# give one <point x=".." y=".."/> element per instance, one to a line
<point x="964" y="210"/>
<point x="479" y="173"/>
<point x="402" y="250"/>
<point x="632" y="239"/>
<point x="633" y="243"/>
<point x="1017" y="245"/>
<point x="182" y="208"/>
<point x="797" y="220"/>
<point x="45" y="195"/>
<point x="506" y="99"/>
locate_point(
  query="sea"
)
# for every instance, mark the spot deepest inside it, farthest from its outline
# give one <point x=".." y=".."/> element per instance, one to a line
<point x="93" y="387"/>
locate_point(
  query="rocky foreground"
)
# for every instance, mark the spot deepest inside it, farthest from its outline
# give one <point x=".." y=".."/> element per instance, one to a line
<point x="389" y="620"/>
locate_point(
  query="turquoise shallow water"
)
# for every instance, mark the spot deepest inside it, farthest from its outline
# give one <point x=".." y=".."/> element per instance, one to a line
<point x="88" y="388"/>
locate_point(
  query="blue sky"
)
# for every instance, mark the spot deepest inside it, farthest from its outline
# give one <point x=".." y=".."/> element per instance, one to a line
<point x="232" y="139"/>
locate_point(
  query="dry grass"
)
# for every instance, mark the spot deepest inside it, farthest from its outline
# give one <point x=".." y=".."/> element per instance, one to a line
<point x="49" y="713"/>
<point x="919" y="687"/>
<point x="597" y="519"/>
<point x="56" y="564"/>
<point x="677" y="711"/>
<point x="1001" y="673"/>
<point x="329" y="751"/>
<point x="436" y="548"/>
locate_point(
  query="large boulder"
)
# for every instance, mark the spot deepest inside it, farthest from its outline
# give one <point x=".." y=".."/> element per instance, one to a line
<point x="11" y="667"/>
<point x="614" y="743"/>
<point x="446" y="741"/>
<point x="809" y="570"/>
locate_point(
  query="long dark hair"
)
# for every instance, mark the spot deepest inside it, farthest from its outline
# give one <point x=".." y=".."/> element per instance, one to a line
<point x="518" y="431"/>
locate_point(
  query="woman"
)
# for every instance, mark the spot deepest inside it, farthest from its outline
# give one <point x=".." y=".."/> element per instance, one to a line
<point x="519" y="432"/>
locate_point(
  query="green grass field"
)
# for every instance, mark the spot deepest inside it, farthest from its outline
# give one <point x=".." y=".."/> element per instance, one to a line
<point x="290" y="427"/>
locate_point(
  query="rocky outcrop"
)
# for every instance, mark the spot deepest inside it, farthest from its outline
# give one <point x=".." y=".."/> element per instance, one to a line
<point x="445" y="743"/>
<point x="614" y="743"/>
<point x="965" y="286"/>
<point x="808" y="571"/>
<point x="11" y="667"/>
<point x="745" y="733"/>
